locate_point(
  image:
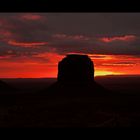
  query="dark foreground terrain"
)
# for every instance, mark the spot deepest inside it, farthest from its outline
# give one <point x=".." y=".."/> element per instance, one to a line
<point x="29" y="104"/>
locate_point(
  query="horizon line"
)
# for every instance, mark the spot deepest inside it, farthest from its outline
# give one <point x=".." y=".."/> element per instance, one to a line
<point x="115" y="75"/>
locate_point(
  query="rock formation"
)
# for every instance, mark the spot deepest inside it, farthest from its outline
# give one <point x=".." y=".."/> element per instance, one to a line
<point x="76" y="78"/>
<point x="74" y="100"/>
<point x="76" y="97"/>
<point x="76" y="68"/>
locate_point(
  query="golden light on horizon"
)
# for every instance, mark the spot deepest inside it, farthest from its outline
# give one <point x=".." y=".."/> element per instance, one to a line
<point x="46" y="65"/>
<point x="104" y="73"/>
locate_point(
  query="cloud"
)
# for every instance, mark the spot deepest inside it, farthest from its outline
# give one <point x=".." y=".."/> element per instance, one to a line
<point x="29" y="33"/>
<point x="70" y="37"/>
<point x="27" y="44"/>
<point x="5" y="57"/>
<point x="23" y="37"/>
<point x="34" y="28"/>
<point x="118" y="38"/>
<point x="120" y="64"/>
<point x="30" y="16"/>
<point x="127" y="44"/>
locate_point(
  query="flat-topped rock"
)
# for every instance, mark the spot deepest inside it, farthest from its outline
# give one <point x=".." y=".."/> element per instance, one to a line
<point x="76" y="68"/>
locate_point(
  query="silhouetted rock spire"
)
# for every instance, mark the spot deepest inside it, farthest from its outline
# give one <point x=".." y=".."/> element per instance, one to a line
<point x="76" y="68"/>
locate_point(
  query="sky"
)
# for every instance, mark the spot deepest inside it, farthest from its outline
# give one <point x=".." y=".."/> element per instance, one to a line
<point x="32" y="44"/>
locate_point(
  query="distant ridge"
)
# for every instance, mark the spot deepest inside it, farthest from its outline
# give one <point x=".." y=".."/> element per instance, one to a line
<point x="125" y="75"/>
<point x="5" y="87"/>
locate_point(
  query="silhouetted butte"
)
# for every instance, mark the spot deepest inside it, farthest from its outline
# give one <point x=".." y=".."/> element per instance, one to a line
<point x="76" y="77"/>
<point x="74" y="100"/>
<point x="76" y="68"/>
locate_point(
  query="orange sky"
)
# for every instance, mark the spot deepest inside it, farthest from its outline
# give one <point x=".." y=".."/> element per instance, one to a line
<point x="25" y="67"/>
<point x="32" y="44"/>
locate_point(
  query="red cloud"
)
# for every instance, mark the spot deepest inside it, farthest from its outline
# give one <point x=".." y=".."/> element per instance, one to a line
<point x="30" y="17"/>
<point x="118" y="38"/>
<point x="5" y="34"/>
<point x="5" y="57"/>
<point x="71" y="37"/>
<point x="26" y="44"/>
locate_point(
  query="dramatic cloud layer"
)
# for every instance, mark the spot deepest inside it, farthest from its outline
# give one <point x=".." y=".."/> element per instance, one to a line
<point x="31" y="44"/>
<point x="26" y="44"/>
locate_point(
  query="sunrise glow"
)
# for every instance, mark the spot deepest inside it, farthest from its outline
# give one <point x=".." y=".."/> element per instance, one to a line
<point x="104" y="73"/>
<point x="45" y="65"/>
<point x="32" y="44"/>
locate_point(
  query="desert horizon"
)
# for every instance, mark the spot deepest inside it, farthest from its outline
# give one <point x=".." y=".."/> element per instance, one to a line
<point x="32" y="44"/>
<point x="69" y="70"/>
<point x="121" y="83"/>
<point x="96" y="76"/>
